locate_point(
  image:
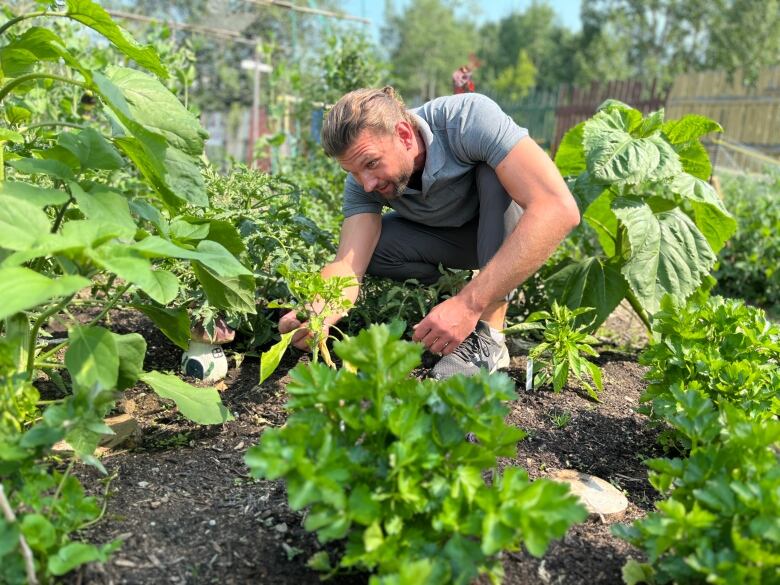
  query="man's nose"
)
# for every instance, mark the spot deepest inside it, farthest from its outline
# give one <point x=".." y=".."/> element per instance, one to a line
<point x="369" y="182"/>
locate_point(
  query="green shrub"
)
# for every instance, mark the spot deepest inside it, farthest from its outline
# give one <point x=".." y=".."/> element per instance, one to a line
<point x="721" y="521"/>
<point x="749" y="265"/>
<point x="382" y="459"/>
<point x="729" y="349"/>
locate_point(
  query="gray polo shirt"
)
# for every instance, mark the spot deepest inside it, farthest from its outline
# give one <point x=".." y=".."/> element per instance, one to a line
<point x="460" y="132"/>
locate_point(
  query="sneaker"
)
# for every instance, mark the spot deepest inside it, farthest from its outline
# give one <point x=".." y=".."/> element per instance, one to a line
<point x="478" y="350"/>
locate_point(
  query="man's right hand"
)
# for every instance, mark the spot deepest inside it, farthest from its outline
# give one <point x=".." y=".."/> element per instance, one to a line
<point x="301" y="339"/>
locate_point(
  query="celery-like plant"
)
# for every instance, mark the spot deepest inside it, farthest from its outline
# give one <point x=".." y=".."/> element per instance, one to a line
<point x="381" y="458"/>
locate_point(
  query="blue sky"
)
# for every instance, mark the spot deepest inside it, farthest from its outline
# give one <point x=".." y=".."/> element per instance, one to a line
<point x="568" y="10"/>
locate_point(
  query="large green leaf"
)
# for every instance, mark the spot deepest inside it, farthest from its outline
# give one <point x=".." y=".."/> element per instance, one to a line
<point x="41" y="166"/>
<point x="589" y="283"/>
<point x="34" y="45"/>
<point x="570" y="156"/>
<point x="131" y="349"/>
<point x="160" y="285"/>
<point x="74" y="554"/>
<point x="95" y="17"/>
<point x="174" y="174"/>
<point x="709" y="213"/>
<point x="616" y="157"/>
<point x="22" y="289"/>
<point x="174" y="323"/>
<point x="8" y="135"/>
<point x="227" y="292"/>
<point x="38" y="196"/>
<point x="92" y="357"/>
<point x="209" y="253"/>
<point x="601" y="218"/>
<point x="270" y="359"/>
<point x="92" y="150"/>
<point x="668" y="254"/>
<point x="201" y="405"/>
<point x="152" y="105"/>
<point x="21" y="223"/>
<point x="103" y="205"/>
<point x="688" y="128"/>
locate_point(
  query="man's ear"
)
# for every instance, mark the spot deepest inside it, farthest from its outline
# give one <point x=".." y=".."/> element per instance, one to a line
<point x="405" y="132"/>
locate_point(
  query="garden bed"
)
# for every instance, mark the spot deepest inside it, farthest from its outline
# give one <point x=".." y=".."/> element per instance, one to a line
<point x="188" y="512"/>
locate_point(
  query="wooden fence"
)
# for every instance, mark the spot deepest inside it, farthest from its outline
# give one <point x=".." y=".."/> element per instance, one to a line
<point x="750" y="115"/>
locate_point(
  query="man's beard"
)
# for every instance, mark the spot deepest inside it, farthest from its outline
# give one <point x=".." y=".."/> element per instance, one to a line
<point x="399" y="186"/>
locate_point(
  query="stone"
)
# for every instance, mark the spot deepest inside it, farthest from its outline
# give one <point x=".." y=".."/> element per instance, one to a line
<point x="599" y="497"/>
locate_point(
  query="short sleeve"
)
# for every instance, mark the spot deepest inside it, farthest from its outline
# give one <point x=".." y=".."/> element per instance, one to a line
<point x="487" y="134"/>
<point x="358" y="201"/>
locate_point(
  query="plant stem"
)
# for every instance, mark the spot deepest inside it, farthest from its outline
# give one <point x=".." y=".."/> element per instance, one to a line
<point x="106" y="309"/>
<point x="34" y="333"/>
<point x="31" y="76"/>
<point x="65" y="476"/>
<point x="639" y="310"/>
<point x="55" y="123"/>
<point x="103" y="508"/>
<point x="10" y="517"/>
<point x="22" y="17"/>
<point x="60" y="216"/>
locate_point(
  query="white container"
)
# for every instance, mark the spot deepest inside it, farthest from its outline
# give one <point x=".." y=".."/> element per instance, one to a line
<point x="204" y="361"/>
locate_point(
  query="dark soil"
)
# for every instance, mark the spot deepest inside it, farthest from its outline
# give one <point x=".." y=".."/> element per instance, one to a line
<point x="182" y="502"/>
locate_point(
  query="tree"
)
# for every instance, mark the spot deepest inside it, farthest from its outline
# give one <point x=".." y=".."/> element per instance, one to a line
<point x="426" y="43"/>
<point x="662" y="38"/>
<point x="548" y="45"/>
<point x="515" y="82"/>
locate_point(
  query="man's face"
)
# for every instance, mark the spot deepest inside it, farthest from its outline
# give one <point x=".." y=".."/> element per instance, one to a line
<point x="379" y="162"/>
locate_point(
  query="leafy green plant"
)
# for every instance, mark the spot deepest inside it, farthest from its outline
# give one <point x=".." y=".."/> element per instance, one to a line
<point x="79" y="226"/>
<point x="314" y="299"/>
<point x="641" y="185"/>
<point x="381" y="459"/>
<point x="561" y="353"/>
<point x="561" y="419"/>
<point x="728" y="349"/>
<point x="383" y="299"/>
<point x="719" y="523"/>
<point x="748" y="263"/>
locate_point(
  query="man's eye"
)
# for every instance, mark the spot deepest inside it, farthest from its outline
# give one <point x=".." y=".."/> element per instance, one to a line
<point x="372" y="164"/>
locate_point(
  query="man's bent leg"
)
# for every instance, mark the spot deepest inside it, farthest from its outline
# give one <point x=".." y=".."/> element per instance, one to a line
<point x="498" y="216"/>
<point x="407" y="249"/>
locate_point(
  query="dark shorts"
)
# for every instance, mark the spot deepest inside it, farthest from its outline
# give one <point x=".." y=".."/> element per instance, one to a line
<point x="408" y="249"/>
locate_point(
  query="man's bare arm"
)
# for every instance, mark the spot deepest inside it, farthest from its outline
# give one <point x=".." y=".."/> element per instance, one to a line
<point x="550" y="213"/>
<point x="359" y="237"/>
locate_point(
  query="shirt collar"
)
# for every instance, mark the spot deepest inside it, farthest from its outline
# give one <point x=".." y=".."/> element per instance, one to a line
<point x="434" y="154"/>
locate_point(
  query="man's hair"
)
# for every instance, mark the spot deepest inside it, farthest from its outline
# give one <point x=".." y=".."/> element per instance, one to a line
<point x="378" y="110"/>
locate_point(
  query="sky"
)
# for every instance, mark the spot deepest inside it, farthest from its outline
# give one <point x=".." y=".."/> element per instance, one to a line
<point x="492" y="10"/>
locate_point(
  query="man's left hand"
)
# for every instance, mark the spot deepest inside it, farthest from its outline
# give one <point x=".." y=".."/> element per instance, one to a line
<point x="446" y="326"/>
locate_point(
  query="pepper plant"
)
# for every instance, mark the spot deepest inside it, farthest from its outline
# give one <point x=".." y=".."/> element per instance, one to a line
<point x="79" y="226"/>
<point x="562" y="352"/>
<point x="314" y="299"/>
<point x="641" y="185"/>
<point x="381" y="459"/>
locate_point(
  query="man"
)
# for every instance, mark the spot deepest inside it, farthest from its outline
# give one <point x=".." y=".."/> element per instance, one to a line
<point x="469" y="190"/>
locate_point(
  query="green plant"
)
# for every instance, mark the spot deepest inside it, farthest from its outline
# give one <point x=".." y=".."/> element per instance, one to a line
<point x="561" y="419"/>
<point x="748" y="263"/>
<point x="381" y="459"/>
<point x="640" y="183"/>
<point x="315" y="300"/>
<point x="728" y="349"/>
<point x="79" y="226"/>
<point x="560" y="354"/>
<point x="719" y="523"/>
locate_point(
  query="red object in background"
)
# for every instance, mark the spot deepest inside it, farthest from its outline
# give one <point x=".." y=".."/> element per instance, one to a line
<point x="461" y="80"/>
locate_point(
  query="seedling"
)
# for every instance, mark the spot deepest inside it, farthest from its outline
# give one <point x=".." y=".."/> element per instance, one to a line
<point x="561" y="353"/>
<point x="314" y="299"/>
